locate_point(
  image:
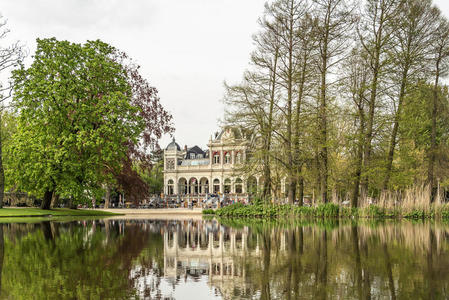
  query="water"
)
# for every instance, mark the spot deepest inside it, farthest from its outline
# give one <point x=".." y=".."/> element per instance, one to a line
<point x="195" y="259"/>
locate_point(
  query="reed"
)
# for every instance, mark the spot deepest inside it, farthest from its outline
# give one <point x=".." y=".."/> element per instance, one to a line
<point x="413" y="203"/>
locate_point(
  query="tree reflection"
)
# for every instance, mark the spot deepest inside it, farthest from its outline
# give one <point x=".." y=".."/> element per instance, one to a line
<point x="262" y="260"/>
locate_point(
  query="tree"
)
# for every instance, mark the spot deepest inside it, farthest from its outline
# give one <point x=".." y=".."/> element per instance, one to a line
<point x="334" y="22"/>
<point x="77" y="120"/>
<point x="374" y="30"/>
<point x="440" y="61"/>
<point x="412" y="37"/>
<point x="10" y="57"/>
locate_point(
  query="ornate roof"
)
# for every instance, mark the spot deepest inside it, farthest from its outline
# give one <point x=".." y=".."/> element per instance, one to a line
<point x="173" y="146"/>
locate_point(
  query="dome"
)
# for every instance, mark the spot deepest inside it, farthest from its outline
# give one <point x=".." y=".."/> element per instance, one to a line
<point x="173" y="146"/>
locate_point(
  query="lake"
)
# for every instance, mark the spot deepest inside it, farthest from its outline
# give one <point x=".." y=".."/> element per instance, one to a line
<point x="206" y="259"/>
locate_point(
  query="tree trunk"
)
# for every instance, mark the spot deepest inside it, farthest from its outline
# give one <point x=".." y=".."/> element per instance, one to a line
<point x="301" y="189"/>
<point x="322" y="110"/>
<point x="371" y="110"/>
<point x="291" y="189"/>
<point x="291" y="179"/>
<point x="46" y="201"/>
<point x="54" y="200"/>
<point x="269" y="129"/>
<point x="433" y="137"/>
<point x="298" y="164"/>
<point x="107" y="199"/>
<point x="394" y="134"/>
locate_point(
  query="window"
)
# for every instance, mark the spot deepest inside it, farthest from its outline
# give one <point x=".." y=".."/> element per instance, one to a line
<point x="238" y="186"/>
<point x="216" y="186"/>
<point x="192" y="155"/>
<point x="238" y="158"/>
<point x="216" y="158"/>
<point x="199" y="156"/>
<point x="170" y="186"/>
<point x="227" y="158"/>
<point x="227" y="186"/>
<point x="193" y="186"/>
<point x="182" y="186"/>
<point x="170" y="163"/>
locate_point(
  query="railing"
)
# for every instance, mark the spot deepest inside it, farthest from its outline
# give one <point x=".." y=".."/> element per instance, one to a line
<point x="200" y="200"/>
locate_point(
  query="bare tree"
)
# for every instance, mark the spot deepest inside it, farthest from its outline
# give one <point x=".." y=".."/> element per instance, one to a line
<point x="356" y="88"/>
<point x="334" y="23"/>
<point x="374" y="30"/>
<point x="10" y="57"/>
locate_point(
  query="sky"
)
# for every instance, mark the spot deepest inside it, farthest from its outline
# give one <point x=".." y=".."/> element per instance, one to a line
<point x="186" y="49"/>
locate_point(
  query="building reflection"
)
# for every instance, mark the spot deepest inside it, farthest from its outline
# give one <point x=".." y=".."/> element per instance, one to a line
<point x="199" y="248"/>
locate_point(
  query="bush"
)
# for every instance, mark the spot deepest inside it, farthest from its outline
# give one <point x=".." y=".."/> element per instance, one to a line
<point x="208" y="212"/>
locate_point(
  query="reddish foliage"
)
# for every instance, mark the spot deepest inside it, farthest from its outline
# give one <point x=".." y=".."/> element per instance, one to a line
<point x="157" y="123"/>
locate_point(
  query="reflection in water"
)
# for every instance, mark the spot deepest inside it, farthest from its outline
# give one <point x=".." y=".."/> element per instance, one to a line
<point x="153" y="259"/>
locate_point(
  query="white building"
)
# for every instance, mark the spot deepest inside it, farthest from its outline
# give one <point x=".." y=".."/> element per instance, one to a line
<point x="193" y="173"/>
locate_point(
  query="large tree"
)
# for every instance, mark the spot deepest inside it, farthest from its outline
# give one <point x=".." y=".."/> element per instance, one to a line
<point x="78" y="120"/>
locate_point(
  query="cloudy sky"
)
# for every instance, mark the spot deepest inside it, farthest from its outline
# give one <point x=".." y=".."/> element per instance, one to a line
<point x="187" y="49"/>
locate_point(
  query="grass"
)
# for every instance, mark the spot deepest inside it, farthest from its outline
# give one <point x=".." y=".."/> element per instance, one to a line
<point x="36" y="212"/>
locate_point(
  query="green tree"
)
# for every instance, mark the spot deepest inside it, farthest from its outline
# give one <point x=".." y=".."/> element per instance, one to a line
<point x="75" y="120"/>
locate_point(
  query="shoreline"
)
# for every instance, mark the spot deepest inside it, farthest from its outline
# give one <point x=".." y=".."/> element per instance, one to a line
<point x="152" y="211"/>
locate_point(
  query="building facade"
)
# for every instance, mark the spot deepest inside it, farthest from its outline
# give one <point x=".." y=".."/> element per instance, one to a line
<point x="193" y="173"/>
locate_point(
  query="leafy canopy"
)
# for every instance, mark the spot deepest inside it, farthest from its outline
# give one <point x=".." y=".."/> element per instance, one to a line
<point x="76" y="119"/>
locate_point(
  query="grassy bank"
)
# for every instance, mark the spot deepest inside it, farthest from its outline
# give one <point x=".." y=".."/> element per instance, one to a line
<point x="330" y="210"/>
<point x="36" y="212"/>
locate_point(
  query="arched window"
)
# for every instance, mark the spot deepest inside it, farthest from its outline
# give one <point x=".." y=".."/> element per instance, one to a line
<point x="238" y="186"/>
<point x="227" y="186"/>
<point x="204" y="186"/>
<point x="170" y="187"/>
<point x="216" y="186"/>
<point x="182" y="186"/>
<point x="227" y="158"/>
<point x="193" y="185"/>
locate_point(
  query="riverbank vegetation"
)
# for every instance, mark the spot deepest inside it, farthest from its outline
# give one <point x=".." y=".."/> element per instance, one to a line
<point x="346" y="103"/>
<point x="329" y="210"/>
<point x="414" y="204"/>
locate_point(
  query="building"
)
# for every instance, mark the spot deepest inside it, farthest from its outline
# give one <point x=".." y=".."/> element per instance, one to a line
<point x="191" y="174"/>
